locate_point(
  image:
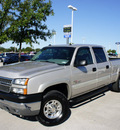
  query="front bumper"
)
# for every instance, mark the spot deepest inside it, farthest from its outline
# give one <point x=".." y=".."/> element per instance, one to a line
<point x="28" y="105"/>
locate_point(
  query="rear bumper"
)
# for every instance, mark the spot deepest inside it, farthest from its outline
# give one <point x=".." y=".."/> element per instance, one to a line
<point x="21" y="105"/>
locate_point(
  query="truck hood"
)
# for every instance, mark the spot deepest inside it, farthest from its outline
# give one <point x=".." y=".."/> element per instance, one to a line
<point x="28" y="69"/>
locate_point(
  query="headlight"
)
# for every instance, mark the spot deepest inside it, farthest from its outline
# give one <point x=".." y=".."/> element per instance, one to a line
<point x="23" y="82"/>
<point x="19" y="90"/>
<point x="19" y="86"/>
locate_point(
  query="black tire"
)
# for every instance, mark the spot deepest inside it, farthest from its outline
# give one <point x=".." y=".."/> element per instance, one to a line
<point x="54" y="109"/>
<point x="116" y="86"/>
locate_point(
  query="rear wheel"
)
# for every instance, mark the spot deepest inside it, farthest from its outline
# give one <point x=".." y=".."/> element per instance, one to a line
<point x="116" y="85"/>
<point x="54" y="108"/>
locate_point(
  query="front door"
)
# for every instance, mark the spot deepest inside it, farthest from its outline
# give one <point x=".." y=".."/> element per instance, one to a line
<point x="83" y="77"/>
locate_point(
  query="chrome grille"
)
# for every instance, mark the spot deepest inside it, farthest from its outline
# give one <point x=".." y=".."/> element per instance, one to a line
<point x="5" y="84"/>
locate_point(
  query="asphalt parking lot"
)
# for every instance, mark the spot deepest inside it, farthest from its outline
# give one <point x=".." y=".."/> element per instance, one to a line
<point x="100" y="113"/>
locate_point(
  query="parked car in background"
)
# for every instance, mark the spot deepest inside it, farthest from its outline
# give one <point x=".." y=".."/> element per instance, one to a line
<point x="15" y="58"/>
<point x="5" y="55"/>
<point x="113" y="55"/>
<point x="1" y="55"/>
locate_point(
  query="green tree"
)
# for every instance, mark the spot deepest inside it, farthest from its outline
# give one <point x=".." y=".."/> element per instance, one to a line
<point x="6" y="16"/>
<point x="29" y="22"/>
<point x="37" y="49"/>
<point x="5" y="6"/>
<point x="27" y="49"/>
<point x="2" y="49"/>
<point x="111" y="51"/>
<point x="12" y="49"/>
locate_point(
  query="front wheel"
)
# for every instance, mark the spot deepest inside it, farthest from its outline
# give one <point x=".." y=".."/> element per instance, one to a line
<point x="54" y="109"/>
<point x="116" y="85"/>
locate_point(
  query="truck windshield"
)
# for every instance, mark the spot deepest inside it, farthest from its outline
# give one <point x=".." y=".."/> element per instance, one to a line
<point x="57" y="55"/>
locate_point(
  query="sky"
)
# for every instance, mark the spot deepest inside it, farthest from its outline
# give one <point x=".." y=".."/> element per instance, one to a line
<point x="94" y="22"/>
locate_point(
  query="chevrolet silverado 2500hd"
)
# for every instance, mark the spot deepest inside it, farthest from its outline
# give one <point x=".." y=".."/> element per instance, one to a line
<point x="54" y="77"/>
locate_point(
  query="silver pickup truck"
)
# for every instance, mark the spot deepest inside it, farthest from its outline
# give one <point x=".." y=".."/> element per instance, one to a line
<point x="55" y="77"/>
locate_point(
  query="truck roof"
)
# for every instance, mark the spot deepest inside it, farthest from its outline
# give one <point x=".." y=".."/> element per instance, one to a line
<point x="75" y="45"/>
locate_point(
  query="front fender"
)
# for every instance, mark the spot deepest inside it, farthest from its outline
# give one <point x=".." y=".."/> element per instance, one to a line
<point x="46" y="85"/>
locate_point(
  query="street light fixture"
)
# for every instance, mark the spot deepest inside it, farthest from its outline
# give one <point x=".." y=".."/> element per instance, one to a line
<point x="73" y="9"/>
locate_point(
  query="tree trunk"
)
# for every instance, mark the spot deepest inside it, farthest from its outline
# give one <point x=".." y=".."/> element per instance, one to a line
<point x="20" y="51"/>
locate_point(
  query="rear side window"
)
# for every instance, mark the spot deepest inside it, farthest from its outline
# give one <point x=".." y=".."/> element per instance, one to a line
<point x="99" y="55"/>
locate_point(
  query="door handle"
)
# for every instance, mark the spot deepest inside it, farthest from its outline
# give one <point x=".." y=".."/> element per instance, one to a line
<point x="94" y="69"/>
<point x="107" y="67"/>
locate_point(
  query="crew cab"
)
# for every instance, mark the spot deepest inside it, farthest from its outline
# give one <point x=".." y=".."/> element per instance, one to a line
<point x="55" y="77"/>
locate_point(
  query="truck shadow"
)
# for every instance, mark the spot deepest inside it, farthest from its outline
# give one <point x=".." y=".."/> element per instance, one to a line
<point x="34" y="119"/>
<point x="81" y="103"/>
<point x="28" y="118"/>
<point x="89" y="97"/>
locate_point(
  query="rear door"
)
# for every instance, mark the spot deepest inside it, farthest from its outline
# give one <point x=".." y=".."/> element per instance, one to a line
<point x="103" y="66"/>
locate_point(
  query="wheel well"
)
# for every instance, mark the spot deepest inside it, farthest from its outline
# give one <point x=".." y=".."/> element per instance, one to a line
<point x="59" y="87"/>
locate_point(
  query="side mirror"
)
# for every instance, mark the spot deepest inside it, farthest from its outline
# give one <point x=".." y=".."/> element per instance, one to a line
<point x="81" y="63"/>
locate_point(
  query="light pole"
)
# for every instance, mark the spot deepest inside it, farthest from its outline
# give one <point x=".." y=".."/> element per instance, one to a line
<point x="54" y="33"/>
<point x="73" y="9"/>
<point x="118" y="45"/>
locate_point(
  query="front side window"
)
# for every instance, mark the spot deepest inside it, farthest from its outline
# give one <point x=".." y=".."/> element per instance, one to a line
<point x="84" y="54"/>
<point x="57" y="55"/>
<point x="99" y="54"/>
